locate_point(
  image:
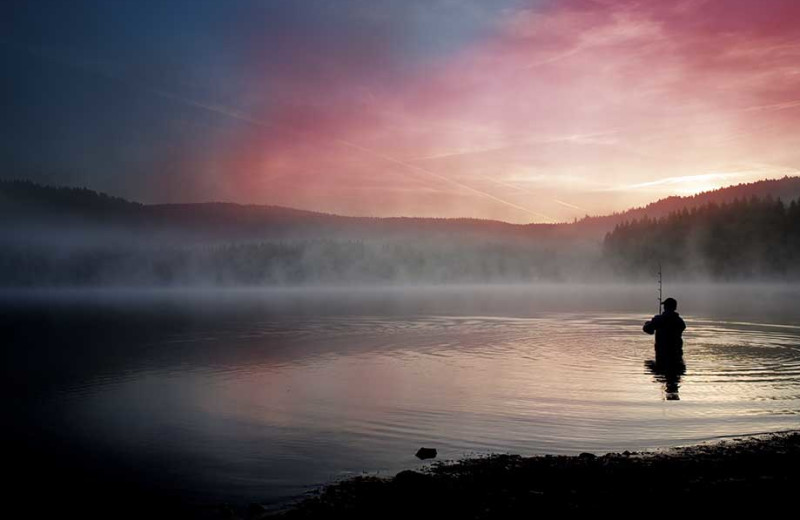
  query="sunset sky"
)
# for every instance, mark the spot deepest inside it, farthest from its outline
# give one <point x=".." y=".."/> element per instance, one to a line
<point x="525" y="111"/>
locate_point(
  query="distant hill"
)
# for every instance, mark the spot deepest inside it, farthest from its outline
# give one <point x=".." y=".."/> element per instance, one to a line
<point x="52" y="237"/>
<point x="786" y="189"/>
<point x="75" y="208"/>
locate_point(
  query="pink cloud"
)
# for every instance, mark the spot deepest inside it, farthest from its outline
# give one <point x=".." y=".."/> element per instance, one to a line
<point x="610" y="93"/>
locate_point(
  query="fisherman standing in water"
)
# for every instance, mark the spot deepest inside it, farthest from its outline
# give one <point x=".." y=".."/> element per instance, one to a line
<point x="668" y="327"/>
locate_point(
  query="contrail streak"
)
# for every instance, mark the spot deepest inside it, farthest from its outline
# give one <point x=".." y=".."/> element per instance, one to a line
<point x="525" y="190"/>
<point x="388" y="158"/>
<point x="438" y="176"/>
<point x="242" y="117"/>
<point x="567" y="204"/>
<point x="519" y="188"/>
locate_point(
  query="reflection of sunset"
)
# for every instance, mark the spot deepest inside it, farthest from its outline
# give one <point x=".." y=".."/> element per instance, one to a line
<point x="477" y="383"/>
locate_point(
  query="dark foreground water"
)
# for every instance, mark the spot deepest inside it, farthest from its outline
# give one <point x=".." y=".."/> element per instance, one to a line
<point x="259" y="396"/>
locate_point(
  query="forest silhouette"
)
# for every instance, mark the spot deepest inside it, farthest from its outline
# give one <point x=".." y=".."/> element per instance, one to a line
<point x="79" y="237"/>
<point x="747" y="238"/>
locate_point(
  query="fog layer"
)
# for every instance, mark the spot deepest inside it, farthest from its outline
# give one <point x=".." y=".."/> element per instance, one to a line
<point x="67" y="237"/>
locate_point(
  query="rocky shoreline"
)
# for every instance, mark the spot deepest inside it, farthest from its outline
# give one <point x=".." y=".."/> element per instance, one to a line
<point x="744" y="475"/>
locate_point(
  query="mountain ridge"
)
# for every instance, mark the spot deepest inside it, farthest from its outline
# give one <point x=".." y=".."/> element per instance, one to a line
<point x="26" y="199"/>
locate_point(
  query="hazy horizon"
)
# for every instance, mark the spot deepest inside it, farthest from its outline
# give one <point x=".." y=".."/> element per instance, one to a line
<point x="209" y="201"/>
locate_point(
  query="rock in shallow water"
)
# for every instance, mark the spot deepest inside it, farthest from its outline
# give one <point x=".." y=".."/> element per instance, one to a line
<point x="426" y="453"/>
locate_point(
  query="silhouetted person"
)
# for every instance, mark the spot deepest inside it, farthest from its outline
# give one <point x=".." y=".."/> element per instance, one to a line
<point x="668" y="366"/>
<point x="668" y="327"/>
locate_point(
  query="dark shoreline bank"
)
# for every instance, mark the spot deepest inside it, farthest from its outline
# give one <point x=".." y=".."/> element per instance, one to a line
<point x="748" y="474"/>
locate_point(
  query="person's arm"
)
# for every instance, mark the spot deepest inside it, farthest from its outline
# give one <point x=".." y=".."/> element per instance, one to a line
<point x="650" y="326"/>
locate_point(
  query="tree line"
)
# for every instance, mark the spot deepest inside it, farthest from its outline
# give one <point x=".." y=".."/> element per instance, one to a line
<point x="755" y="238"/>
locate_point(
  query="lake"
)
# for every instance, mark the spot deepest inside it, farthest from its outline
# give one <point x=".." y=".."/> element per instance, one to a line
<point x="263" y="395"/>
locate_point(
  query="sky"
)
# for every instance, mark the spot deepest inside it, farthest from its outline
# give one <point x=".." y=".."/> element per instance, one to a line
<point x="517" y="110"/>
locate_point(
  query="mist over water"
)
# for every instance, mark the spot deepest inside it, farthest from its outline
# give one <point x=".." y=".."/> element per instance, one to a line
<point x="247" y="250"/>
<point x="73" y="238"/>
<point x="259" y="395"/>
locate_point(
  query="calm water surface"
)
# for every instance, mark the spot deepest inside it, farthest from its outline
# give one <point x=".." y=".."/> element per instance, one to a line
<point x="260" y="396"/>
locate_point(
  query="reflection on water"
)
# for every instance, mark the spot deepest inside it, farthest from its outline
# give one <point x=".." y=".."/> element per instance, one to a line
<point x="262" y="398"/>
<point x="669" y="373"/>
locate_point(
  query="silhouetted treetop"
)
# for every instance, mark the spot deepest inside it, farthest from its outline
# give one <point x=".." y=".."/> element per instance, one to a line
<point x="746" y="238"/>
<point x="26" y="194"/>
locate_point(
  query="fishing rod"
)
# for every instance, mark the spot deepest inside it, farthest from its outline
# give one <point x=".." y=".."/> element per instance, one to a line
<point x="660" y="286"/>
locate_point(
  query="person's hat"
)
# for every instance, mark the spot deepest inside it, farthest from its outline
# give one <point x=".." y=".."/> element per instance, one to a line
<point x="671" y="303"/>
